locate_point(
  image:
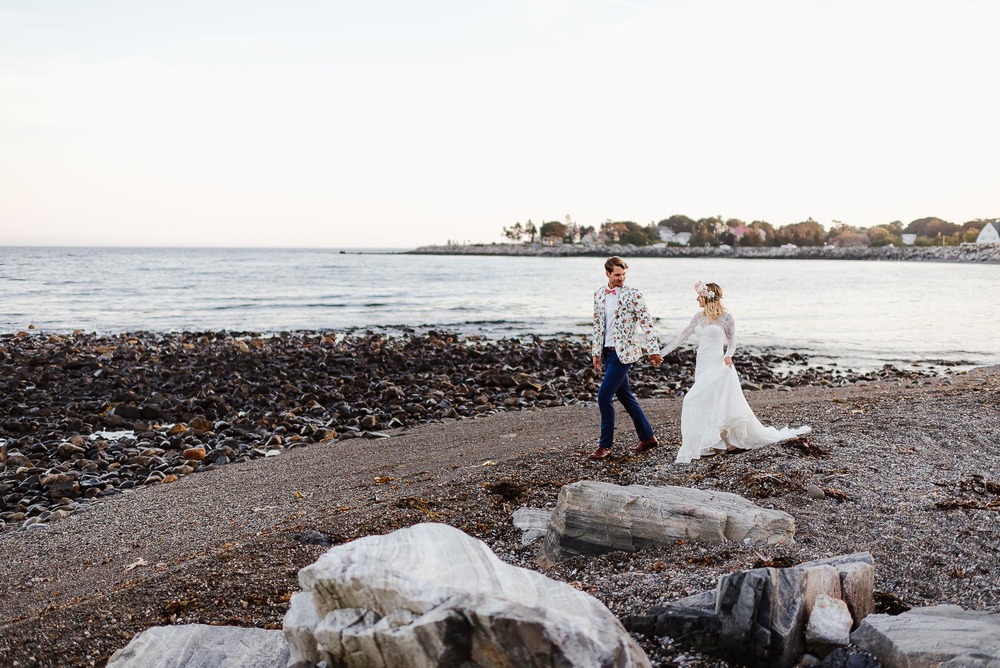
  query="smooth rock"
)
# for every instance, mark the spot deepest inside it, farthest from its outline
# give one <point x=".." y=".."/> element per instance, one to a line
<point x="534" y="522"/>
<point x="597" y="517"/>
<point x="17" y="460"/>
<point x="829" y="626"/>
<point x="940" y="635"/>
<point x="203" y="646"/>
<point x="815" y="492"/>
<point x="194" y="454"/>
<point x="430" y="595"/>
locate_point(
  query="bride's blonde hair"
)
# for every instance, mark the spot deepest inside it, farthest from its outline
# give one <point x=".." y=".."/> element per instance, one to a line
<point x="713" y="301"/>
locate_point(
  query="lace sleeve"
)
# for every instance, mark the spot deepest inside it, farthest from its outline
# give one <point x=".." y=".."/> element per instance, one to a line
<point x="679" y="339"/>
<point x="729" y="327"/>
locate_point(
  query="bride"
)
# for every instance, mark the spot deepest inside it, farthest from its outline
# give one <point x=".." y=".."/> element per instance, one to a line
<point x="715" y="416"/>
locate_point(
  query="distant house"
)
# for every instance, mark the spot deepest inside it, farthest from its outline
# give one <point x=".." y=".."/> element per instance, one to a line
<point x="990" y="234"/>
<point x="909" y="239"/>
<point x="552" y="241"/>
<point x="589" y="239"/>
<point x="667" y="235"/>
<point x="739" y="231"/>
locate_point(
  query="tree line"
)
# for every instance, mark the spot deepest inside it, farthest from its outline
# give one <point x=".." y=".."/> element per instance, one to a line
<point x="734" y="232"/>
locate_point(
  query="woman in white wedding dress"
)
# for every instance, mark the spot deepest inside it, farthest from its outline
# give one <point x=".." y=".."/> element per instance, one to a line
<point x="715" y="416"/>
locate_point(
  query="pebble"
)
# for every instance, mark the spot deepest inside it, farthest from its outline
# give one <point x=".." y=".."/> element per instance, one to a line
<point x="815" y="492"/>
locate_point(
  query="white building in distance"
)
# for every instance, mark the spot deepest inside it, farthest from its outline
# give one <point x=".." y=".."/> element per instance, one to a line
<point x="990" y="234"/>
<point x="669" y="236"/>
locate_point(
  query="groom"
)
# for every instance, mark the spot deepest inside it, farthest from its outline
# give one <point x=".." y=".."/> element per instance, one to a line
<point x="619" y="313"/>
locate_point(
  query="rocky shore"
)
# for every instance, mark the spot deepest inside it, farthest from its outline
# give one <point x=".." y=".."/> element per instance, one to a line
<point x="85" y="417"/>
<point x="306" y="440"/>
<point x="983" y="253"/>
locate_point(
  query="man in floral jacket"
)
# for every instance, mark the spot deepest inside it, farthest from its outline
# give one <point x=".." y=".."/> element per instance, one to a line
<point x="622" y="325"/>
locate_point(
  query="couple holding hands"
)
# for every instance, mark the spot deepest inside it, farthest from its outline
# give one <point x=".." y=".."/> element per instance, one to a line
<point x="715" y="416"/>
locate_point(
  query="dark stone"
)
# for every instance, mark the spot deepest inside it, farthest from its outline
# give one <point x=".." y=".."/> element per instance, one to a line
<point x="311" y="537"/>
<point x="849" y="657"/>
<point x="126" y="412"/>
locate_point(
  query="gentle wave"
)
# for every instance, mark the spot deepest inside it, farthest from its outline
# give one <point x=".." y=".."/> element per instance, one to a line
<point x="861" y="313"/>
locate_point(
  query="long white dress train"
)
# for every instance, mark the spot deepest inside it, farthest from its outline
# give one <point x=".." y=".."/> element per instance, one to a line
<point x="715" y="416"/>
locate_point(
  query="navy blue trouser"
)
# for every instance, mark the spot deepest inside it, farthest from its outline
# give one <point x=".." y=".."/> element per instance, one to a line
<point x="615" y="384"/>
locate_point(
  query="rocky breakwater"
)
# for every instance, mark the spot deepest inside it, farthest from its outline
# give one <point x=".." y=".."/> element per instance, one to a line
<point x="84" y="417"/>
<point x="984" y="253"/>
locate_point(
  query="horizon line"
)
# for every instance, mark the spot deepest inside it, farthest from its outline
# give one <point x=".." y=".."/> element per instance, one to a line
<point x="154" y="247"/>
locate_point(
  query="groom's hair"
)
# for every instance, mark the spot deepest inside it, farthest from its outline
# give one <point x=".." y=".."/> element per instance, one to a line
<point x="612" y="262"/>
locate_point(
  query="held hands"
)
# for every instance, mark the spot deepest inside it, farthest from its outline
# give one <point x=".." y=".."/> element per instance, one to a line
<point x="728" y="361"/>
<point x="655" y="359"/>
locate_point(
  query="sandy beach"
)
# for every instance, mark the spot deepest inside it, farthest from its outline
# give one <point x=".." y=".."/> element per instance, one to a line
<point x="910" y="468"/>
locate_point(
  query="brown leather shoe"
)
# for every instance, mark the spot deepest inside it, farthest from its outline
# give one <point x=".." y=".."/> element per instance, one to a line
<point x="644" y="446"/>
<point x="600" y="453"/>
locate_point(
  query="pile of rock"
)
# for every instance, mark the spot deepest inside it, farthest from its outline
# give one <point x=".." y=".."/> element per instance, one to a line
<point x="430" y="595"/>
<point x="86" y="416"/>
<point x="770" y="616"/>
<point x="986" y="253"/>
<point x="764" y="616"/>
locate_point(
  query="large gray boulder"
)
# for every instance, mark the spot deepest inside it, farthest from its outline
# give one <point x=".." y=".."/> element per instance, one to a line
<point x="430" y="595"/>
<point x="759" y="617"/>
<point x="597" y="517"/>
<point x="763" y="615"/>
<point x="203" y="646"/>
<point x="940" y="635"/>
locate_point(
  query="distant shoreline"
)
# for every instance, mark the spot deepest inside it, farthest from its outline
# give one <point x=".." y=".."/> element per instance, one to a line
<point x="983" y="253"/>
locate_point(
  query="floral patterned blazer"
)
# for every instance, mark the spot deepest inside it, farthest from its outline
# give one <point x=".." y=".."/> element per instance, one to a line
<point x="633" y="326"/>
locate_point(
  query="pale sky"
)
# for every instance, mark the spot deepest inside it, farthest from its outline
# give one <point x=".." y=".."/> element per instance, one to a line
<point x="396" y="123"/>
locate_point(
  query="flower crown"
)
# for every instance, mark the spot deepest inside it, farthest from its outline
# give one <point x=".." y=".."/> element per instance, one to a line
<point x="703" y="291"/>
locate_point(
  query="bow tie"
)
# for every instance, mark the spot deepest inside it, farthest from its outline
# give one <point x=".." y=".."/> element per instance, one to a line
<point x="610" y="291"/>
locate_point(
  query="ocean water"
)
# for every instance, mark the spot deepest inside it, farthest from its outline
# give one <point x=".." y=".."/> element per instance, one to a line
<point x="858" y="314"/>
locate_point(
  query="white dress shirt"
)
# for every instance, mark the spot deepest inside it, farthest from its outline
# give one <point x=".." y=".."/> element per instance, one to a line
<point x="610" y="306"/>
